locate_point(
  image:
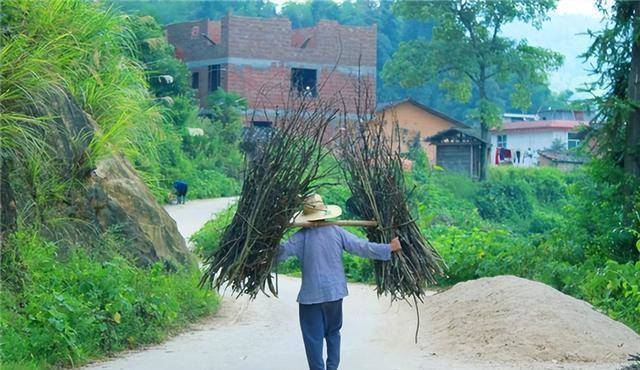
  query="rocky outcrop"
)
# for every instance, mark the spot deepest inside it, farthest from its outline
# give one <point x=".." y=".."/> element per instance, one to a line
<point x="118" y="196"/>
<point x="110" y="196"/>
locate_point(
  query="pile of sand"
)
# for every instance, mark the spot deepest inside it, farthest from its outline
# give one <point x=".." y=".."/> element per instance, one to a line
<point x="509" y="319"/>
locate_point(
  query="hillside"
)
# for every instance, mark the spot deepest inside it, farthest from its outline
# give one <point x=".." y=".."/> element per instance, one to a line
<point x="566" y="34"/>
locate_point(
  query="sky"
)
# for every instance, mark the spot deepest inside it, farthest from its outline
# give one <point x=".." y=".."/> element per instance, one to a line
<point x="578" y="7"/>
<point x="566" y="33"/>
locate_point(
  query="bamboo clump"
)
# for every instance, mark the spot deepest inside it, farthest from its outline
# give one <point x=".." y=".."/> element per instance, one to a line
<point x="373" y="170"/>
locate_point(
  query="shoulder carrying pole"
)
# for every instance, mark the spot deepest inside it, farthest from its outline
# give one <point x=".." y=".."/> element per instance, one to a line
<point x="360" y="223"/>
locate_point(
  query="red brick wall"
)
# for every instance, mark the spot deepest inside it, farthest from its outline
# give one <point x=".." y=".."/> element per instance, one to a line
<point x="268" y="88"/>
<point x="187" y="37"/>
<point x="300" y="35"/>
<point x="273" y="39"/>
<point x="261" y="53"/>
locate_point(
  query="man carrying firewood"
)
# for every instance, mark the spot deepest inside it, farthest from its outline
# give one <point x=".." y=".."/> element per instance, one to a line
<point x="319" y="250"/>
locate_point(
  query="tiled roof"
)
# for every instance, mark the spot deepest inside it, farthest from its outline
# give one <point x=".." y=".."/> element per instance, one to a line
<point x="563" y="157"/>
<point x="537" y="125"/>
<point x="383" y="106"/>
<point x="469" y="132"/>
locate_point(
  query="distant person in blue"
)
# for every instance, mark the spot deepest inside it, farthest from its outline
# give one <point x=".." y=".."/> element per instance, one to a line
<point x="181" y="191"/>
<point x="319" y="250"/>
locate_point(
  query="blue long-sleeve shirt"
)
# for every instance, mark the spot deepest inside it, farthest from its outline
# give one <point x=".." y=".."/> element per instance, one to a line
<point x="319" y="250"/>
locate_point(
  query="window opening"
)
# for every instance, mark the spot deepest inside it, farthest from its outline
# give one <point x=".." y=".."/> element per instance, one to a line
<point x="502" y="141"/>
<point x="214" y="77"/>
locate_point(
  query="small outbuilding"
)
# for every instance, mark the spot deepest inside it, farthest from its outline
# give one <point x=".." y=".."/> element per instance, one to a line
<point x="565" y="161"/>
<point x="416" y="120"/>
<point x="458" y="150"/>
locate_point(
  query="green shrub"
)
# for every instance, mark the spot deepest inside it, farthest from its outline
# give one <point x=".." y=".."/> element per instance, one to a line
<point x="547" y="185"/>
<point x="446" y="198"/>
<point x="615" y="288"/>
<point x="358" y="269"/>
<point x="75" y="307"/>
<point x="206" y="239"/>
<point x="475" y="253"/>
<point x="543" y="220"/>
<point x="504" y="201"/>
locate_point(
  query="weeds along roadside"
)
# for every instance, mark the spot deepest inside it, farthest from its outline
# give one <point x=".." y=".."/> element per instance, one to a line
<point x="62" y="302"/>
<point x="70" y="307"/>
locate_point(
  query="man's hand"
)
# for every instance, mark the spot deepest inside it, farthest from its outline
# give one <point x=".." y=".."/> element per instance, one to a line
<point x="395" y="245"/>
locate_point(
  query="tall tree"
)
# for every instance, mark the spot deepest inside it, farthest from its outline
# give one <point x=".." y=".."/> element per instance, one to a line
<point x="470" y="58"/>
<point x="616" y="52"/>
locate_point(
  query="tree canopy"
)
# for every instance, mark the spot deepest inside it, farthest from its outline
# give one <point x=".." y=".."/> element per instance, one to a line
<point x="469" y="57"/>
<point x="616" y="52"/>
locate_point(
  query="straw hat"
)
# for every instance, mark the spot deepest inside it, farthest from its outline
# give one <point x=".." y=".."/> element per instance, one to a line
<point x="314" y="209"/>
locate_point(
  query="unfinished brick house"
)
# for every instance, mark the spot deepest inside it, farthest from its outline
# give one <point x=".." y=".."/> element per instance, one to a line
<point x="265" y="60"/>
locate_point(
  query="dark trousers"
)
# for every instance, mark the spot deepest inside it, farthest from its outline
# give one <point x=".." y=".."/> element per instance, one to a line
<point x="320" y="322"/>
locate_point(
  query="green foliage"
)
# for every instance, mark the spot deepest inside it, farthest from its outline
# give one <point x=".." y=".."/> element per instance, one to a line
<point x="617" y="110"/>
<point x="547" y="185"/>
<point x="524" y="199"/>
<point x="499" y="201"/>
<point x="207" y="239"/>
<point x="74" y="46"/>
<point x="72" y="306"/>
<point x="496" y="63"/>
<point x="496" y="60"/>
<point x="604" y="217"/>
<point x="108" y="62"/>
<point x="210" y="163"/>
<point x="615" y="288"/>
<point x="62" y="304"/>
<point x="446" y="198"/>
<point x="156" y="55"/>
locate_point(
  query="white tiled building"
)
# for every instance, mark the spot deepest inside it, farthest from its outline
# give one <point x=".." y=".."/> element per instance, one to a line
<point x="534" y="133"/>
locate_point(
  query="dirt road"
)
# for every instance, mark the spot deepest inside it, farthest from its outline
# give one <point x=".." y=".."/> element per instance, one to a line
<point x="264" y="334"/>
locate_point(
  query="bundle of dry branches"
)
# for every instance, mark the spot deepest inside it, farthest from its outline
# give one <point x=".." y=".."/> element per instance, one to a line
<point x="372" y="166"/>
<point x="282" y="172"/>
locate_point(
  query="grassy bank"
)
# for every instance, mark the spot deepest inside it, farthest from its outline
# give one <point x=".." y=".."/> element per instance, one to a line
<point x="66" y="296"/>
<point x="67" y="307"/>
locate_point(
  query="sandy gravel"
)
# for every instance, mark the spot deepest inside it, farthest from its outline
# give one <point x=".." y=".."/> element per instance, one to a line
<point x="264" y="334"/>
<point x="506" y="318"/>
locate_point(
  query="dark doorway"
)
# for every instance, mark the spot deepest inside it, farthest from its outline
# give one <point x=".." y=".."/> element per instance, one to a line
<point x="262" y="124"/>
<point x="195" y="80"/>
<point x="304" y="81"/>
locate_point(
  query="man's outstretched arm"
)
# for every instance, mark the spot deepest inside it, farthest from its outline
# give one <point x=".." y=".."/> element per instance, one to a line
<point x="290" y="248"/>
<point x="367" y="249"/>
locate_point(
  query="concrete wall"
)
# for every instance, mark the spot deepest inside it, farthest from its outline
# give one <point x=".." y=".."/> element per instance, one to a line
<point x="415" y="120"/>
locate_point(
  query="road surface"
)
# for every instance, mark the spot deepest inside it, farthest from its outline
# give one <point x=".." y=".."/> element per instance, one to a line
<point x="191" y="216"/>
<point x="264" y="334"/>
